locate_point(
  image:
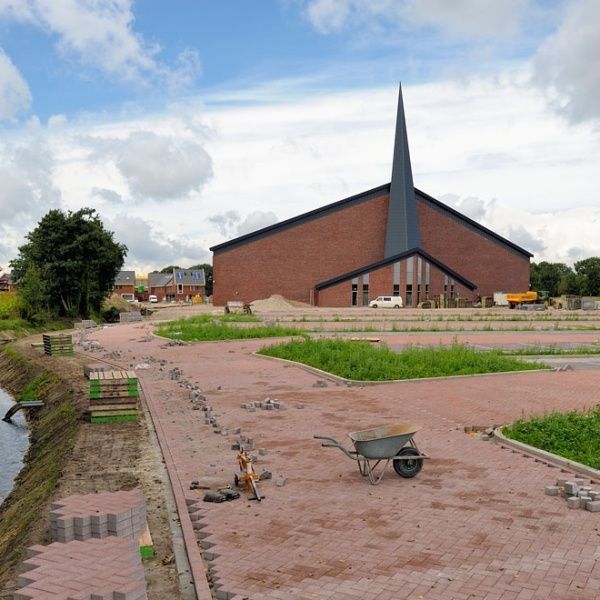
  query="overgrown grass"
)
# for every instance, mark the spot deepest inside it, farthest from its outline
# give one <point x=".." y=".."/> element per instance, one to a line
<point x="573" y="435"/>
<point x="552" y="351"/>
<point x="206" y="328"/>
<point x="363" y="362"/>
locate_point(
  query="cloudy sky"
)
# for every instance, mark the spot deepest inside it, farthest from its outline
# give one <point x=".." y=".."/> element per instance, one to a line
<point x="187" y="123"/>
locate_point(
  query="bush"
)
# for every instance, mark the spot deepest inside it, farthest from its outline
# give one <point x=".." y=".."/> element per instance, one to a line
<point x="110" y="314"/>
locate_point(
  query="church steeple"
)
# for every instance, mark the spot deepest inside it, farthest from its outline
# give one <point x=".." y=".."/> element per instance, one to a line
<point x="402" y="222"/>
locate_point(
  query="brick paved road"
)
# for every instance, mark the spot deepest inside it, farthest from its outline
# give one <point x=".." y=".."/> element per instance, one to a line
<point x="474" y="523"/>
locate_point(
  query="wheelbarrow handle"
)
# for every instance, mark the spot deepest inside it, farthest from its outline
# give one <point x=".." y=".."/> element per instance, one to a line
<point x="324" y="437"/>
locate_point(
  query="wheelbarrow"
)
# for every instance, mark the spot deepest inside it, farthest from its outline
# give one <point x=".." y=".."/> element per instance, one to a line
<point x="387" y="443"/>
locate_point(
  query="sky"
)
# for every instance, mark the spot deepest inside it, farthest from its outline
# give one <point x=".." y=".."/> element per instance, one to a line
<point x="188" y="123"/>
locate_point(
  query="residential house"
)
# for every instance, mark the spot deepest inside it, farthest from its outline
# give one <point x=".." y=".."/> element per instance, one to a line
<point x="6" y="283"/>
<point x="182" y="285"/>
<point x="125" y="285"/>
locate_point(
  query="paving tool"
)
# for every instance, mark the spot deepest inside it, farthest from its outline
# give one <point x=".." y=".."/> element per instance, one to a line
<point x="247" y="475"/>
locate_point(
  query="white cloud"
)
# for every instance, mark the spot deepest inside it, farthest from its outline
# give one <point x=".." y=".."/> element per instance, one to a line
<point x="230" y="223"/>
<point x="15" y="96"/>
<point x="566" y="65"/>
<point x="150" y="247"/>
<point x="26" y="173"/>
<point x="100" y="35"/>
<point x="107" y="195"/>
<point x="470" y="18"/>
<point x="157" y="166"/>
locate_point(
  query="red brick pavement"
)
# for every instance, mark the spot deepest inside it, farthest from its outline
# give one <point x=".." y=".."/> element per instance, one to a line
<point x="474" y="523"/>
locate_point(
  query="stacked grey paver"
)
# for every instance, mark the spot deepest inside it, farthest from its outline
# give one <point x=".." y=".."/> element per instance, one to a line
<point x="81" y="517"/>
<point x="577" y="494"/>
<point x="106" y="569"/>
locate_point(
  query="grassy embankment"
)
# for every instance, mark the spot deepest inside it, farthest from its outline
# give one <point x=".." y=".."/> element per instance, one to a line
<point x="573" y="435"/>
<point x="53" y="429"/>
<point x="205" y="328"/>
<point x="13" y="326"/>
<point x="363" y="362"/>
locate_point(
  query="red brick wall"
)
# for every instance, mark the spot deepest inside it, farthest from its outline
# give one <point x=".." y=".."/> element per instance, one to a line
<point x="488" y="264"/>
<point x="292" y="261"/>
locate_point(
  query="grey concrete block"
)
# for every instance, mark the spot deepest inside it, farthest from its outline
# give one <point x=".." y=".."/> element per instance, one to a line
<point x="551" y="490"/>
<point x="593" y="506"/>
<point x="571" y="488"/>
<point x="280" y="481"/>
<point x="574" y="502"/>
<point x="580" y="481"/>
<point x="262" y="451"/>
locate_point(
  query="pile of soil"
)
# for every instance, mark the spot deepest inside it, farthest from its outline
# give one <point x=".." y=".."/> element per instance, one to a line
<point x="277" y="302"/>
<point x="120" y="304"/>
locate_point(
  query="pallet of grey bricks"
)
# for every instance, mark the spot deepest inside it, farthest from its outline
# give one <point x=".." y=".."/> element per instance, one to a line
<point x="98" y="569"/>
<point x="130" y="317"/>
<point x="576" y="492"/>
<point x="81" y="517"/>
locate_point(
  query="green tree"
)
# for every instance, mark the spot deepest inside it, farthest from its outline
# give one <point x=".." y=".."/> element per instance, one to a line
<point x="170" y="269"/>
<point x="69" y="264"/>
<point x="548" y="276"/>
<point x="589" y="271"/>
<point x="208" y="276"/>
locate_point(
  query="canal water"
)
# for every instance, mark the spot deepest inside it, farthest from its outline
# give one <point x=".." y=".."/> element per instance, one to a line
<point x="14" y="439"/>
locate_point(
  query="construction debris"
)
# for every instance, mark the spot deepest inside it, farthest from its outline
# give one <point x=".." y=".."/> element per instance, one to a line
<point x="60" y="344"/>
<point x="577" y="494"/>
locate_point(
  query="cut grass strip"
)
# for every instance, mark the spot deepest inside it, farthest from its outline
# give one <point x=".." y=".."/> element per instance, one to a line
<point x="363" y="362"/>
<point x="207" y="328"/>
<point x="551" y="351"/>
<point x="573" y="435"/>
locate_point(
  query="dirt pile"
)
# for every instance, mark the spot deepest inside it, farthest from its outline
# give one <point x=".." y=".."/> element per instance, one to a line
<point x="277" y="302"/>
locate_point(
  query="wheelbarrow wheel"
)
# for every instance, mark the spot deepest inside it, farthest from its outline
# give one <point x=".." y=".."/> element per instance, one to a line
<point x="408" y="468"/>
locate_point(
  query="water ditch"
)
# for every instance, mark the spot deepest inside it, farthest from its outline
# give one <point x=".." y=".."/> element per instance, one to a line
<point x="14" y="440"/>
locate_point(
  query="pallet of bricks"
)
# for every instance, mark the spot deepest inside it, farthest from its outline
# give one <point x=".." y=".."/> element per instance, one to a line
<point x="113" y="396"/>
<point x="58" y="344"/>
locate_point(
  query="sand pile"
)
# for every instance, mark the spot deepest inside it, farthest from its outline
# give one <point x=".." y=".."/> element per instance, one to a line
<point x="120" y="304"/>
<point x="277" y="302"/>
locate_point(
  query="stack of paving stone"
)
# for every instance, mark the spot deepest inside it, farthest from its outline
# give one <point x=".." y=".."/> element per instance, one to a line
<point x="106" y="569"/>
<point x="130" y="317"/>
<point x="577" y="493"/>
<point x="113" y="396"/>
<point x="121" y="514"/>
<point x="58" y="344"/>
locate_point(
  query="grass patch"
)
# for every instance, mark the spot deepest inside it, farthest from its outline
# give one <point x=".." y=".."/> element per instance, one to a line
<point x="573" y="435"/>
<point x="361" y="361"/>
<point x="206" y="328"/>
<point x="551" y="351"/>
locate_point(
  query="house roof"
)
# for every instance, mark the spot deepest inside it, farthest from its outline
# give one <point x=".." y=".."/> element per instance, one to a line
<point x="391" y="259"/>
<point x="362" y="197"/>
<point x="190" y="277"/>
<point x="125" y="278"/>
<point x="159" y="279"/>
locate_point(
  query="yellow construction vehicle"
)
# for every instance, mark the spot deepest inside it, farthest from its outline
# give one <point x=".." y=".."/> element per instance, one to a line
<point x="530" y="297"/>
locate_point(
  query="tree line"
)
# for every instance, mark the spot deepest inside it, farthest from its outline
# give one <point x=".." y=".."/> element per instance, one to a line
<point x="558" y="278"/>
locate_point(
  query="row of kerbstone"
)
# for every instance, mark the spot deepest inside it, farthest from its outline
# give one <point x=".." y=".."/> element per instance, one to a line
<point x="82" y="517"/>
<point x="98" y="569"/>
<point x="576" y="492"/>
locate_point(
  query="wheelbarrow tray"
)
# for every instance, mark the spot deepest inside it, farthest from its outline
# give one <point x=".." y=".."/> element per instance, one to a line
<point x="383" y="442"/>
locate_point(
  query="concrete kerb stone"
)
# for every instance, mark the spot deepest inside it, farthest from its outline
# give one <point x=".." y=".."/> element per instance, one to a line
<point x="548" y="456"/>
<point x="338" y="379"/>
<point x="197" y="565"/>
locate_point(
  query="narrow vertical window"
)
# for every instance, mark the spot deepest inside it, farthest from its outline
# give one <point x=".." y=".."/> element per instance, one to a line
<point x="365" y="289"/>
<point x="396" y="280"/>
<point x="409" y="280"/>
<point x="355" y="291"/>
<point x="427" y="279"/>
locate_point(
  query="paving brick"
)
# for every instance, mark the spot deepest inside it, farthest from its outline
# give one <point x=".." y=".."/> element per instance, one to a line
<point x="474" y="514"/>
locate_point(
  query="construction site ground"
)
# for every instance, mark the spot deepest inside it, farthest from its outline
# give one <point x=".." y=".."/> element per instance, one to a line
<point x="475" y="523"/>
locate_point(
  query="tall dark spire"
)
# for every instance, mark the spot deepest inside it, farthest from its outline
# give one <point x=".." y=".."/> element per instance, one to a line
<point x="403" y="222"/>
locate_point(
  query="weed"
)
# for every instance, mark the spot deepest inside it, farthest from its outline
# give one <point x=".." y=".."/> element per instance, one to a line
<point x="361" y="361"/>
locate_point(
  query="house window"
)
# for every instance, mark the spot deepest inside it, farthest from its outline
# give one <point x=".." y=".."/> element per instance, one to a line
<point x="426" y="291"/>
<point x="452" y="288"/>
<point x="396" y="282"/>
<point x="365" y="289"/>
<point x="180" y="288"/>
<point x="409" y="294"/>
<point x="445" y="284"/>
<point x="355" y="291"/>
<point x="396" y="291"/>
<point x="418" y="293"/>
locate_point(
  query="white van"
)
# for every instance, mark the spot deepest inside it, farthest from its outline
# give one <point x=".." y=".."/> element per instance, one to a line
<point x="386" y="302"/>
<point x="152" y="299"/>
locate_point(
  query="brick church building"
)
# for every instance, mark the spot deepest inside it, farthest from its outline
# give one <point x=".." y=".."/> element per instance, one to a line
<point x="391" y="240"/>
